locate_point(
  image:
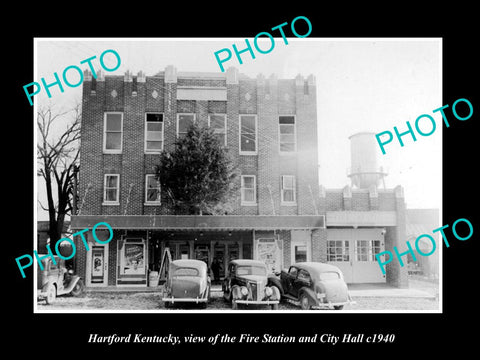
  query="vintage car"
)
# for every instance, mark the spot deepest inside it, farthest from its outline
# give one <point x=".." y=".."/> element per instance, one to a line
<point x="315" y="285"/>
<point x="187" y="281"/>
<point x="56" y="279"/>
<point x="247" y="283"/>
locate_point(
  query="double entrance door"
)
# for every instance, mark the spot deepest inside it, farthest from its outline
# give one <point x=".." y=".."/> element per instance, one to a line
<point x="218" y="252"/>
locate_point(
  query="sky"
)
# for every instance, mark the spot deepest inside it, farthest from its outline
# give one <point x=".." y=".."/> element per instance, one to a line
<point x="369" y="84"/>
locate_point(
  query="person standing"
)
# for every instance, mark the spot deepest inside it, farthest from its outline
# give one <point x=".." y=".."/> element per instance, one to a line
<point x="215" y="269"/>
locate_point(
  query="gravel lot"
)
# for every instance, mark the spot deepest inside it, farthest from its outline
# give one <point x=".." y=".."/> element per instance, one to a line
<point x="152" y="301"/>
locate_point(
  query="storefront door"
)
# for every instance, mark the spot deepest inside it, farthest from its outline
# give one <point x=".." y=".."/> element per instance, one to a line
<point x="224" y="252"/>
<point x="97" y="265"/>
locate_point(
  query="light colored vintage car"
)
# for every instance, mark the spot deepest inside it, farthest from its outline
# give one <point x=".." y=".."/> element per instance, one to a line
<point x="315" y="285"/>
<point x="55" y="280"/>
<point x="188" y="281"/>
<point x="247" y="283"/>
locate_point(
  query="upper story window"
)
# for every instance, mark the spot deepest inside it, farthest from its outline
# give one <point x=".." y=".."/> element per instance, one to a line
<point x="113" y="131"/>
<point x="218" y="122"/>
<point x="111" y="189"/>
<point x="288" y="190"/>
<point x="153" y="132"/>
<point x="183" y="123"/>
<point x="152" y="189"/>
<point x="248" y="134"/>
<point x="248" y="190"/>
<point x="286" y="126"/>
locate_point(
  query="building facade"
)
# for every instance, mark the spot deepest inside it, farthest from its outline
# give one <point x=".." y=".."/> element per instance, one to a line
<point x="281" y="215"/>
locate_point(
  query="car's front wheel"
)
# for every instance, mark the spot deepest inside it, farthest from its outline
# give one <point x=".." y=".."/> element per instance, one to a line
<point x="234" y="305"/>
<point x="304" y="302"/>
<point x="51" y="294"/>
<point x="274" y="306"/>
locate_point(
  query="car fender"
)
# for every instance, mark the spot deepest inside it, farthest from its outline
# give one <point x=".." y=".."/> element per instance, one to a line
<point x="71" y="285"/>
<point x="235" y="292"/>
<point x="43" y="290"/>
<point x="276" y="293"/>
<point x="273" y="281"/>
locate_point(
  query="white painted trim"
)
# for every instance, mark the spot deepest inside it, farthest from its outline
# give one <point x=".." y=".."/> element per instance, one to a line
<point x="117" y="202"/>
<point x="242" y="201"/>
<point x="159" y="202"/>
<point x="145" y="150"/>
<point x="294" y="135"/>
<point x="88" y="267"/>
<point x="110" y="151"/>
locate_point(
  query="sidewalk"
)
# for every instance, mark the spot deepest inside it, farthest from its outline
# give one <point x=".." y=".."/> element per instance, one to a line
<point x="385" y="290"/>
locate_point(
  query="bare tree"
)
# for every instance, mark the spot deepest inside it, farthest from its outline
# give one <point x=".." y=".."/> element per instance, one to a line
<point x="57" y="156"/>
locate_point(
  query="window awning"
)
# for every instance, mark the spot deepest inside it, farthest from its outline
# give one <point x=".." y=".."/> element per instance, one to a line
<point x="197" y="222"/>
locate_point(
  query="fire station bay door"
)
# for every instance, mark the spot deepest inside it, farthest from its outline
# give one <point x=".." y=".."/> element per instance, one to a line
<point x="353" y="251"/>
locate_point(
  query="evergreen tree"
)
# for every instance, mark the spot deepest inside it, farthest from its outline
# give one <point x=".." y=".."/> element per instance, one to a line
<point x="198" y="175"/>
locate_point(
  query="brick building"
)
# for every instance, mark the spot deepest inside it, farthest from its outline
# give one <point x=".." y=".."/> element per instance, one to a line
<point x="281" y="214"/>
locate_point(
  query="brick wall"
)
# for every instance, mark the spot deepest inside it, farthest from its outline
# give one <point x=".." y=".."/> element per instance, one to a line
<point x="319" y="245"/>
<point x="136" y="95"/>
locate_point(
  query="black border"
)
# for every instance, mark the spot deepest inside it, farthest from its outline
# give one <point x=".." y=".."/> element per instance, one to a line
<point x="423" y="332"/>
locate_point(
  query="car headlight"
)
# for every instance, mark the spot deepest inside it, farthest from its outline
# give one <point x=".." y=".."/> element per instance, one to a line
<point x="320" y="296"/>
<point x="268" y="291"/>
<point x="244" y="291"/>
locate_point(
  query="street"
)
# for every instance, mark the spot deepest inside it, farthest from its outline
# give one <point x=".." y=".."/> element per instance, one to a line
<point x="137" y="301"/>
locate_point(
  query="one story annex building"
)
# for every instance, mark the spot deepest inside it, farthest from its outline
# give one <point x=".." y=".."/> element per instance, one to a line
<point x="281" y="214"/>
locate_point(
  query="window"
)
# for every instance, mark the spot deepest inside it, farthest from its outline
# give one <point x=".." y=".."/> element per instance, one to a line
<point x="186" y="272"/>
<point x="288" y="189"/>
<point x="286" y="126"/>
<point x="329" y="276"/>
<point x="365" y="250"/>
<point x="112" y="136"/>
<point x="111" y="189"/>
<point x="300" y="253"/>
<point x="153" y="132"/>
<point x="152" y="189"/>
<point x="338" y="250"/>
<point x="251" y="270"/>
<point x="132" y="257"/>
<point x="303" y="275"/>
<point x="248" y="134"/>
<point x="293" y="271"/>
<point x="184" y="121"/>
<point x="248" y="190"/>
<point x="218" y="122"/>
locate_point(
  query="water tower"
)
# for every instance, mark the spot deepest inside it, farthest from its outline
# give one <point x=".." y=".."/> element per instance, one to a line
<point x="364" y="169"/>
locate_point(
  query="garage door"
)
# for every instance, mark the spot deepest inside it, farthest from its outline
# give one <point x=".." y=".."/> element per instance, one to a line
<point x="353" y="251"/>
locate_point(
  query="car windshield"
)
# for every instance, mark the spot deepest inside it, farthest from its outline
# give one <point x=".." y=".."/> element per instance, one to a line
<point x="251" y="270"/>
<point x="186" y="272"/>
<point x="329" y="276"/>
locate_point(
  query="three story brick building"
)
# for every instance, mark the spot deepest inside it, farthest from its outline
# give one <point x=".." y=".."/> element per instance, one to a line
<point x="281" y="214"/>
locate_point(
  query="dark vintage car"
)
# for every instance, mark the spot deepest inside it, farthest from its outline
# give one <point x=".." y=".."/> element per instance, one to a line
<point x="187" y="281"/>
<point x="56" y="279"/>
<point x="247" y="283"/>
<point x="315" y="285"/>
